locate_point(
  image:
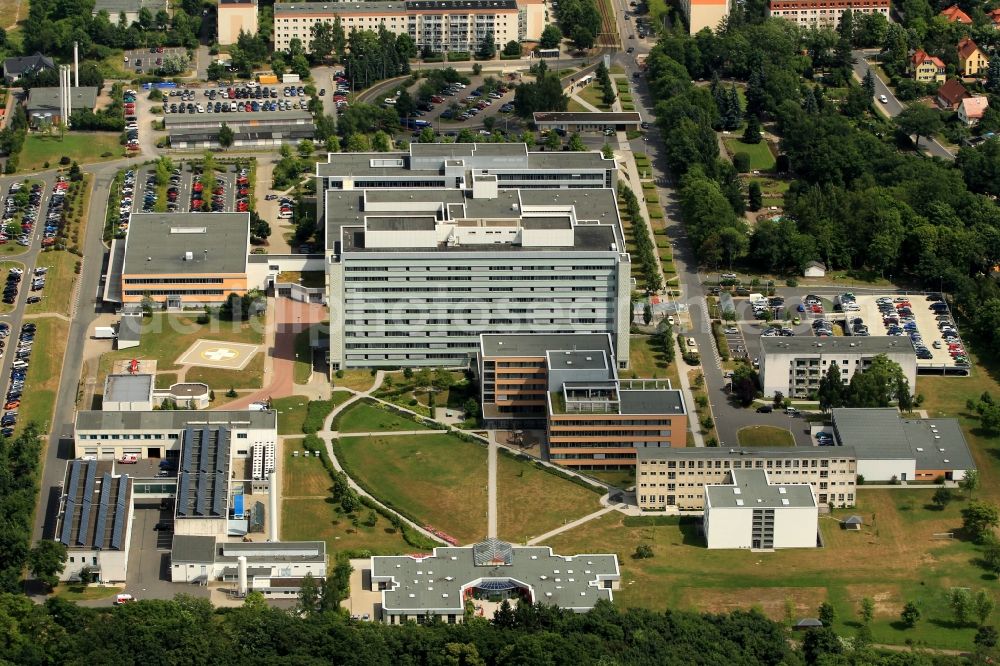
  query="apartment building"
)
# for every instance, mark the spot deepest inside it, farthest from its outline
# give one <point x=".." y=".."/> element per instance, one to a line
<point x="440" y="25"/>
<point x="234" y="17"/>
<point x="593" y="419"/>
<point x="823" y="13"/>
<point x="416" y="275"/>
<point x="703" y="14"/>
<point x="794" y="366"/>
<point x="752" y="512"/>
<point x="676" y="477"/>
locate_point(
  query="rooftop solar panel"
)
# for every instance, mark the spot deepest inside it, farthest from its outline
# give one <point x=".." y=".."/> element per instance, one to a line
<point x="204" y="450"/>
<point x="74" y="479"/>
<point x="88" y="490"/>
<point x="219" y="494"/>
<point x="102" y="511"/>
<point x="119" y="525"/>
<point x="201" y="499"/>
<point x="65" y="534"/>
<point x="186" y="450"/>
<point x="183" y="490"/>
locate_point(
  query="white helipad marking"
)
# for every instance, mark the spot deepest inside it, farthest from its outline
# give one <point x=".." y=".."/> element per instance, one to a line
<point x="219" y="354"/>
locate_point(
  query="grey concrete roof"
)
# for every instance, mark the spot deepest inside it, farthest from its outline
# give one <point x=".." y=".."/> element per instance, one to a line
<point x="47" y="99"/>
<point x="235" y="119"/>
<point x="882" y="434"/>
<point x="437" y="582"/>
<point x="611" y="117"/>
<point x="156" y="243"/>
<point x="578" y="359"/>
<point x="874" y="433"/>
<point x="713" y="452"/>
<point x="115" y="7"/>
<point x="274" y="551"/>
<point x="128" y="388"/>
<point x="189" y="389"/>
<point x="869" y="345"/>
<point x="338" y="7"/>
<point x="173" y="419"/>
<point x="537" y="344"/>
<point x="663" y="401"/>
<point x="750" y="489"/>
<point x="96" y="506"/>
<point x="194" y="549"/>
<point x="438" y="5"/>
<point x="130" y="329"/>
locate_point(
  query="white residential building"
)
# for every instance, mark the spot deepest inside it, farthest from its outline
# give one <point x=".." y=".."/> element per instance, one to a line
<point x="795" y="365"/>
<point x="754" y="513"/>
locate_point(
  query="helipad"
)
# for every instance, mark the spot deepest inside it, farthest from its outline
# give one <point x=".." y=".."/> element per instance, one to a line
<point x="214" y="354"/>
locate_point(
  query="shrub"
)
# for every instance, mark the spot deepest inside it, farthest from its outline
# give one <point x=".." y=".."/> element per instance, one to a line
<point x="741" y="161"/>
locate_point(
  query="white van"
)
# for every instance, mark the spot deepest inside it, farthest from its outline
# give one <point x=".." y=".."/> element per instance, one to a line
<point x="123" y="599"/>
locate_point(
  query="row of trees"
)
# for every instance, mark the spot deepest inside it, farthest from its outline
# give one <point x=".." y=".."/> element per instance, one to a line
<point x="580" y="20"/>
<point x="545" y="93"/>
<point x="19" y="463"/>
<point x="882" y="384"/>
<point x="645" y="250"/>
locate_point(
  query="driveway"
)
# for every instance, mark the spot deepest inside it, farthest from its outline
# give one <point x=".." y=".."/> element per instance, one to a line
<point x="893" y="107"/>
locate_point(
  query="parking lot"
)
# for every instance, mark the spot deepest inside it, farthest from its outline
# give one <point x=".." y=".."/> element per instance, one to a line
<point x="252" y="98"/>
<point x="146" y="61"/>
<point x="458" y="106"/>
<point x="189" y="190"/>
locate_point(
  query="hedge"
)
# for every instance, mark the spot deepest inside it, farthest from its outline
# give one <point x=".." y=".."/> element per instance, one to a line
<point x="459" y="56"/>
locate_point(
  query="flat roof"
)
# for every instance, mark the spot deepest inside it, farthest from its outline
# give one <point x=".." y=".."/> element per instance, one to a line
<point x="47" y="99"/>
<point x="751" y="489"/>
<point x="934" y="444"/>
<point x="192" y="548"/>
<point x="115" y="7"/>
<point x="587" y="117"/>
<point x="539" y="344"/>
<point x="96" y="506"/>
<point x="157" y="243"/>
<point x="656" y="401"/>
<point x="875" y="344"/>
<point x="128" y="387"/>
<point x="437" y="582"/>
<point x="203" y="473"/>
<point x="578" y="359"/>
<point x="130" y="329"/>
<point x="712" y="452"/>
<point x="339" y="7"/>
<point x="235" y="119"/>
<point x="271" y="551"/>
<point x="169" y="419"/>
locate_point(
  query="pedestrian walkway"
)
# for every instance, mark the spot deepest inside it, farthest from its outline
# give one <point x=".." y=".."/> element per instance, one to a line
<point x="576" y="523"/>
<point x="491" y="486"/>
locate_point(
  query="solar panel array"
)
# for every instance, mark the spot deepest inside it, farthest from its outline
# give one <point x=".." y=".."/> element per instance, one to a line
<point x="204" y="472"/>
<point x="84" y="500"/>
<point x="102" y="511"/>
<point x="88" y="493"/>
<point x="120" y="511"/>
<point x="66" y="533"/>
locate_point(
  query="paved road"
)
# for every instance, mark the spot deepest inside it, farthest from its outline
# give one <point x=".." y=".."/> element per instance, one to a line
<point x="893" y="107"/>
<point x="729" y="418"/>
<point x="60" y="441"/>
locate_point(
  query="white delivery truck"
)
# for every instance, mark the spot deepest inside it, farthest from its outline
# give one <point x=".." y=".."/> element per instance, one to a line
<point x="104" y="333"/>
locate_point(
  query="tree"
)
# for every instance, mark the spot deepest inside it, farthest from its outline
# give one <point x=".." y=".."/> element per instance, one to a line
<point x="741" y="162"/>
<point x="867" y="610"/>
<point x="979" y="519"/>
<point x="819" y="642"/>
<point x="961" y="604"/>
<point x="322" y="43"/>
<point x="755" y="198"/>
<point x="551" y="36"/>
<point x="487" y="48"/>
<point x="879" y="385"/>
<point x="643" y="551"/>
<point x="576" y="143"/>
<point x="831" y="389"/>
<point x="47" y="560"/>
<point x="970" y="482"/>
<point x="225" y="135"/>
<point x="337" y="585"/>
<point x="443" y="379"/>
<point x="919" y="121"/>
<point x="752" y="132"/>
<point x="583" y="38"/>
<point x="827" y="614"/>
<point x="647" y="314"/>
<point x="868" y="85"/>
<point x="552" y="141"/>
<point x="986" y="637"/>
<point x="983" y="605"/>
<point x="991" y="555"/>
<point x="941" y="498"/>
<point x="308" y="595"/>
<point x="744" y="384"/>
<point x="512" y="48"/>
<point x="910" y="615"/>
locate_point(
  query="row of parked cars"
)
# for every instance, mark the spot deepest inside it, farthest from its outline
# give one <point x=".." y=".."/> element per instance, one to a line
<point x="125" y="204"/>
<point x="54" y="214"/>
<point x="30" y="214"/>
<point x="18" y="374"/>
<point x="341" y="91"/>
<point x="131" y="121"/>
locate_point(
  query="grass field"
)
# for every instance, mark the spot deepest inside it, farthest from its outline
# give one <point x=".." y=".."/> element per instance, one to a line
<point x="5" y="267"/>
<point x="250" y="377"/>
<point x="531" y="501"/>
<point x="291" y="414"/>
<point x="362" y="417"/>
<point x="42" y="382"/>
<point x="58" y="292"/>
<point x="893" y="562"/>
<point x="619" y="478"/>
<point x="82" y="147"/>
<point x="761" y="158"/>
<point x="71" y="592"/>
<point x="165" y="379"/>
<point x="760" y="435"/>
<point x="167" y="336"/>
<point x="302" y="476"/>
<point x="647" y="361"/>
<point x="357" y="379"/>
<point x="302" y="370"/>
<point x="593" y="95"/>
<point x="438" y="478"/>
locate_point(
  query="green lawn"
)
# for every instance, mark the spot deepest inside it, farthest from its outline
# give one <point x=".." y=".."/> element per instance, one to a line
<point x="647" y="361"/>
<point x="165" y="380"/>
<point x="77" y="592"/>
<point x="83" y="147"/>
<point x="321" y="519"/>
<point x="761" y="435"/>
<point x="594" y="95"/>
<point x="619" y="478"/>
<point x="250" y="377"/>
<point x="302" y="476"/>
<point x="291" y="414"/>
<point x="167" y="336"/>
<point x="357" y="379"/>
<point x="893" y="562"/>
<point x="364" y="417"/>
<point x="437" y="478"/>
<point x="42" y="382"/>
<point x="59" y="282"/>
<point x="761" y="158"/>
<point x="302" y="370"/>
<point x="531" y="501"/>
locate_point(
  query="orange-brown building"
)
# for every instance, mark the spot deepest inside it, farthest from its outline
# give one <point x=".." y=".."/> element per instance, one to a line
<point x="569" y="383"/>
<point x="183" y="259"/>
